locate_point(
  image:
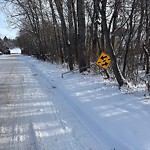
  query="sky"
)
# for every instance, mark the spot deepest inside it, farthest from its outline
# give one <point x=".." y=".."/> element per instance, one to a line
<point x="5" y="29"/>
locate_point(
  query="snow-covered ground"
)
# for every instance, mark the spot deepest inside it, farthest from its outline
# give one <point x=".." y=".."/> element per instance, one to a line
<point x="15" y="50"/>
<point x="40" y="110"/>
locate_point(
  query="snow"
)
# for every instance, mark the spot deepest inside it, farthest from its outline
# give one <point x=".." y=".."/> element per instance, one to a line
<point x="41" y="110"/>
<point x="15" y="50"/>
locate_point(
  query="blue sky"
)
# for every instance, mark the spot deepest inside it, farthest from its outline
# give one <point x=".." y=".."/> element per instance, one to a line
<point x="5" y="29"/>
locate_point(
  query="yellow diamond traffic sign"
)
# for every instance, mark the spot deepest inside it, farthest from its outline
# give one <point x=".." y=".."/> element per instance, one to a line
<point x="103" y="61"/>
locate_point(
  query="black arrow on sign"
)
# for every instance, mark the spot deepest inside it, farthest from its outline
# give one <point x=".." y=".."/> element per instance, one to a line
<point x="105" y="64"/>
<point x="103" y="57"/>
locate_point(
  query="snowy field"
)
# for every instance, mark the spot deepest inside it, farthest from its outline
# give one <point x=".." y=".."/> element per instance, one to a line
<point x="40" y="110"/>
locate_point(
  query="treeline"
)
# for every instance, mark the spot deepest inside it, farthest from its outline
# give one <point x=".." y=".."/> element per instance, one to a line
<point x="6" y="44"/>
<point x="77" y="31"/>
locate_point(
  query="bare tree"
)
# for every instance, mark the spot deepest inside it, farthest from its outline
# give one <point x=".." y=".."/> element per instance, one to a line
<point x="81" y="35"/>
<point x="57" y="32"/>
<point x="129" y="36"/>
<point x="116" y="70"/>
<point x="67" y="49"/>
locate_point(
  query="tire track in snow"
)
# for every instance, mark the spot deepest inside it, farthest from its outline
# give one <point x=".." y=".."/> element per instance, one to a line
<point x="35" y="143"/>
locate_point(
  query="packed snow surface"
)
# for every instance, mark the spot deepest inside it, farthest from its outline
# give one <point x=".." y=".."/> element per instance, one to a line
<point x="40" y="110"/>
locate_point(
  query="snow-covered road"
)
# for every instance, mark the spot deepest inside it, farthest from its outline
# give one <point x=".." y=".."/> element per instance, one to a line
<point x="41" y="111"/>
<point x="31" y="117"/>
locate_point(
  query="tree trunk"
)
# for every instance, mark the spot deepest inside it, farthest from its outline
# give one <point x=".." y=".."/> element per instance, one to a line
<point x="129" y="39"/>
<point x="75" y="29"/>
<point x="147" y="55"/>
<point x="115" y="67"/>
<point x="95" y="36"/>
<point x="71" y="28"/>
<point x="64" y="34"/>
<point x="57" y="32"/>
<point x="81" y="35"/>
